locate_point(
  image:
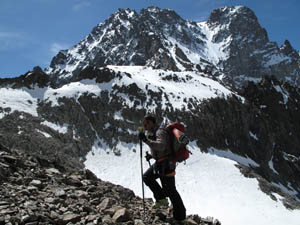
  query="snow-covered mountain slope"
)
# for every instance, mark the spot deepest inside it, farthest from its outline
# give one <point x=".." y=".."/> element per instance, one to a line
<point x="231" y="45"/>
<point x="174" y="89"/>
<point x="209" y="185"/>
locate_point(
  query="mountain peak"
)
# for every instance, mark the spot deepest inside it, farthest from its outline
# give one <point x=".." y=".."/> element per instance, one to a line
<point x="230" y="44"/>
<point x="238" y="20"/>
<point x="288" y="50"/>
<point x="163" y="15"/>
<point x="124" y="14"/>
<point x="226" y="14"/>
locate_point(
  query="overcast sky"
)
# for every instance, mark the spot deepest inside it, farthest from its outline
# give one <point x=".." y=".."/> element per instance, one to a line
<point x="33" y="31"/>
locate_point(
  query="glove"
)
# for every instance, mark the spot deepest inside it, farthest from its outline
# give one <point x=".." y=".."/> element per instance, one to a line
<point x="142" y="137"/>
<point x="148" y="156"/>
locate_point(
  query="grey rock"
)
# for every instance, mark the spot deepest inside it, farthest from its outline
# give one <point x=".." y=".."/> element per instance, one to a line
<point x="33" y="223"/>
<point x="81" y="194"/>
<point x="3" y="165"/>
<point x="95" y="201"/>
<point x="29" y="218"/>
<point x="36" y="183"/>
<point x="88" y="209"/>
<point x="9" y="159"/>
<point x="51" y="200"/>
<point x="31" y="205"/>
<point x="92" y="189"/>
<point x="107" y="219"/>
<point x="73" y="180"/>
<point x="52" y="171"/>
<point x="70" y="218"/>
<point x="25" y="192"/>
<point x="121" y="215"/>
<point x="60" y="193"/>
<point x="7" y="211"/>
<point x="54" y="215"/>
<point x="4" y="207"/>
<point x="4" y="203"/>
<point x="190" y="221"/>
<point x="105" y="203"/>
<point x="138" y="222"/>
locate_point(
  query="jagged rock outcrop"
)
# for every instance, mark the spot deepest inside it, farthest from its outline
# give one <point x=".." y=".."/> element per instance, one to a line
<point x="288" y="50"/>
<point x="231" y="45"/>
<point x="35" y="77"/>
<point x="38" y="191"/>
<point x="21" y="130"/>
<point x="146" y="37"/>
<point x="264" y="128"/>
<point x="249" y="51"/>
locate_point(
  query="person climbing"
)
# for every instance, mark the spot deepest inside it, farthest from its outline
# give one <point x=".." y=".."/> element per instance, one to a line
<point x="164" y="168"/>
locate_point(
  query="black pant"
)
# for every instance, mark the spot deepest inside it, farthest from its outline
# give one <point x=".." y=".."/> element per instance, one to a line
<point x="168" y="189"/>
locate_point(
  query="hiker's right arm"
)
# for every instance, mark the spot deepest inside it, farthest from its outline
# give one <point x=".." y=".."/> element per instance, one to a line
<point x="159" y="145"/>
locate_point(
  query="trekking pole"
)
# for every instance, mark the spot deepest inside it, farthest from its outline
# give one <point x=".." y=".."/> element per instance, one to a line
<point x="141" y="156"/>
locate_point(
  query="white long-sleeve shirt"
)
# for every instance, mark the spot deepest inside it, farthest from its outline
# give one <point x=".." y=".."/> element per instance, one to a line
<point x="160" y="147"/>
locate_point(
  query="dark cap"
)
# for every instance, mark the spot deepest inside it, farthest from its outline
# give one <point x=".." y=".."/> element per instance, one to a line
<point x="150" y="117"/>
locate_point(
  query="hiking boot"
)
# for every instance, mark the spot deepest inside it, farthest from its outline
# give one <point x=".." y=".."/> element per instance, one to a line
<point x="160" y="203"/>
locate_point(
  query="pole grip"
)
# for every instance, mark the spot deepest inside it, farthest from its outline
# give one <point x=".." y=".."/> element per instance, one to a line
<point x="141" y="129"/>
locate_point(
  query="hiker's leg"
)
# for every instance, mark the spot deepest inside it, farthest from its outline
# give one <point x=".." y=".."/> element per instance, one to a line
<point x="149" y="178"/>
<point x="179" y="211"/>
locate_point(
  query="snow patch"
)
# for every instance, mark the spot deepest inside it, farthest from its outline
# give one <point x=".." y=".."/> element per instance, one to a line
<point x="215" y="52"/>
<point x="43" y="133"/>
<point x="283" y="92"/>
<point x="234" y="157"/>
<point x="271" y="165"/>
<point x="253" y="136"/>
<point x="17" y="100"/>
<point x="60" y="129"/>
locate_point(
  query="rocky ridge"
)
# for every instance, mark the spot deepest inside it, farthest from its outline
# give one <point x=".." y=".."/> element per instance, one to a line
<point x="35" y="191"/>
<point x="264" y="127"/>
<point x="231" y="46"/>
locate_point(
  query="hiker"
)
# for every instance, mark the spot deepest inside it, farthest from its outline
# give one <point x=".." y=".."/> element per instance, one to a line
<point x="163" y="168"/>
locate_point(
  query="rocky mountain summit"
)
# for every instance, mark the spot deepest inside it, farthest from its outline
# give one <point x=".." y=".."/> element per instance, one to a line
<point x="231" y="46"/>
<point x="37" y="191"/>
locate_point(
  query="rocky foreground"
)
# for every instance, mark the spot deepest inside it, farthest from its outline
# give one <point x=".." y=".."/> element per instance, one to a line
<point x="36" y="191"/>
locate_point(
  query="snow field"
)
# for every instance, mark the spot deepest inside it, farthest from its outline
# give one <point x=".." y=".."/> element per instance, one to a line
<point x="209" y="186"/>
<point x="17" y="100"/>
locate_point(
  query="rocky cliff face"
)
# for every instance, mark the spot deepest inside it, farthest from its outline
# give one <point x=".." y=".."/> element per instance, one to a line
<point x="249" y="51"/>
<point x="129" y="38"/>
<point x="231" y="45"/>
<point x="264" y="128"/>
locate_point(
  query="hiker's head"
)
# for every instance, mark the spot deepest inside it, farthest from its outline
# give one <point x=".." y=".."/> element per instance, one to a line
<point x="149" y="123"/>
